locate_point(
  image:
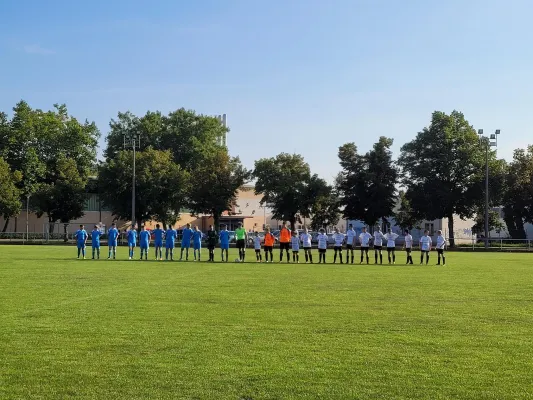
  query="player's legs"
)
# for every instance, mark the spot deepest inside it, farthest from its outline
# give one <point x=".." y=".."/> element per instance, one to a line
<point x="393" y="255"/>
<point x="421" y="256"/>
<point x="427" y="257"/>
<point x="367" y="256"/>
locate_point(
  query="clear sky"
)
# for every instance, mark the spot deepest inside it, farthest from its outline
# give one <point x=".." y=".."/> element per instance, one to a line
<point x="292" y="75"/>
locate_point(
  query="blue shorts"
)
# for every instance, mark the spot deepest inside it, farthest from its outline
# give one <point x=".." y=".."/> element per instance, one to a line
<point x="132" y="244"/>
<point x="224" y="246"/>
<point x="145" y="246"/>
<point x="158" y="243"/>
<point x="96" y="245"/>
<point x="112" y="243"/>
<point x="197" y="246"/>
<point x="185" y="245"/>
<point x="170" y="245"/>
<point x="81" y="245"/>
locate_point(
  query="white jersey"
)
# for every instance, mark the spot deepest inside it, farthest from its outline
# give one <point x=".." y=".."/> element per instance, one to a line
<point x="322" y="241"/>
<point x="391" y="239"/>
<point x="441" y="242"/>
<point x="408" y="241"/>
<point x="378" y="238"/>
<point x="364" y="239"/>
<point x="257" y="243"/>
<point x="339" y="239"/>
<point x="295" y="243"/>
<point x="425" y="243"/>
<point x="350" y="237"/>
<point x="306" y="239"/>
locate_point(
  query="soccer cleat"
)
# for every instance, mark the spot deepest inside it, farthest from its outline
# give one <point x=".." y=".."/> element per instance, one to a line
<point x="130" y="258"/>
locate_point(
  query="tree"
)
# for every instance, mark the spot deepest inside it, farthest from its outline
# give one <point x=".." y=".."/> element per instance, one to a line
<point x="67" y="149"/>
<point x="495" y="222"/>
<point x="218" y="179"/>
<point x="367" y="184"/>
<point x="518" y="196"/>
<point x="405" y="216"/>
<point x="283" y="182"/>
<point x="188" y="136"/>
<point x="9" y="193"/>
<point x="443" y="170"/>
<point x="63" y="199"/>
<point x="161" y="186"/>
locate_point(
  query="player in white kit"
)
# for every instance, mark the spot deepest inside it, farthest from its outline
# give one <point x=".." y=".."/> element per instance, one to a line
<point x="350" y="243"/>
<point x="364" y="239"/>
<point x="425" y="247"/>
<point x="408" y="245"/>
<point x="378" y="245"/>
<point x="441" y="244"/>
<point x="306" y="241"/>
<point x="257" y="247"/>
<point x="339" y="241"/>
<point x="295" y="245"/>
<point x="391" y="237"/>
<point x="322" y="246"/>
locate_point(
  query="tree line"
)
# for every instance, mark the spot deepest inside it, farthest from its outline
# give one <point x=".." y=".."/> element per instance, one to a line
<point x="48" y="157"/>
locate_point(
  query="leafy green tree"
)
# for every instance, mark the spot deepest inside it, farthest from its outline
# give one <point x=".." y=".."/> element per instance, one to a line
<point x="188" y="136"/>
<point x="404" y="215"/>
<point x="283" y="181"/>
<point x="367" y="184"/>
<point x="216" y="182"/>
<point x="495" y="222"/>
<point x="161" y="185"/>
<point x="443" y="170"/>
<point x="9" y="193"/>
<point x="518" y="196"/>
<point x="64" y="199"/>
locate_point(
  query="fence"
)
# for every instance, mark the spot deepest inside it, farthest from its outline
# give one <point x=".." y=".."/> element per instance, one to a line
<point x="500" y="244"/>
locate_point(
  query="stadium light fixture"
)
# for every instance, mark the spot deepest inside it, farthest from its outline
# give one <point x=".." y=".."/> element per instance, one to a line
<point x="490" y="141"/>
<point x="133" y="140"/>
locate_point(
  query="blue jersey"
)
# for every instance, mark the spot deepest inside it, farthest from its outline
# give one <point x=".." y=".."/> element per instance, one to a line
<point x="224" y="238"/>
<point x="112" y="234"/>
<point x="132" y="236"/>
<point x="144" y="238"/>
<point x="197" y="237"/>
<point x="95" y="238"/>
<point x="158" y="235"/>
<point x="171" y="236"/>
<point x="187" y="234"/>
<point x="81" y="235"/>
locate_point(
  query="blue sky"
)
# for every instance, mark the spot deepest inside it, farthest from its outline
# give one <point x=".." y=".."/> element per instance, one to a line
<point x="294" y="76"/>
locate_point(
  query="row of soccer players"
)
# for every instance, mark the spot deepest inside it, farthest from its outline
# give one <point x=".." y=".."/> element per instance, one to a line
<point x="288" y="241"/>
<point x="293" y="241"/>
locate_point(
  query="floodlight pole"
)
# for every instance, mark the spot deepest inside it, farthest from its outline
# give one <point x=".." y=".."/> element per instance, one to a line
<point x="130" y="139"/>
<point x="489" y="141"/>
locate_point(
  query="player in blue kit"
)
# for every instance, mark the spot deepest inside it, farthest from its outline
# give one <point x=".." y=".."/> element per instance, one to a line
<point x="224" y="242"/>
<point x="186" y="242"/>
<point x="132" y="240"/>
<point x="144" y="241"/>
<point x="81" y="240"/>
<point x="95" y="241"/>
<point x="112" y="236"/>
<point x="159" y="234"/>
<point x="197" y="242"/>
<point x="170" y="237"/>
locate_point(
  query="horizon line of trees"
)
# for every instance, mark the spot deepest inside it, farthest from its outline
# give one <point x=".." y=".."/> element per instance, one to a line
<point x="46" y="158"/>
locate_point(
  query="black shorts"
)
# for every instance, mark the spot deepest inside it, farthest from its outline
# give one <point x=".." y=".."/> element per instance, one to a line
<point x="408" y="249"/>
<point x="240" y="244"/>
<point x="307" y="248"/>
<point x="284" y="246"/>
<point x="349" y="247"/>
<point x="337" y="248"/>
<point x="211" y="247"/>
<point x="258" y="250"/>
<point x="268" y="248"/>
<point x="364" y="248"/>
<point x="295" y="251"/>
<point x="322" y="251"/>
<point x="378" y="247"/>
<point x="440" y="251"/>
<point x="391" y="248"/>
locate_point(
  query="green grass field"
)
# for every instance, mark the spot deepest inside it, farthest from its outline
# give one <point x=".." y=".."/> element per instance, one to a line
<point x="74" y="329"/>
